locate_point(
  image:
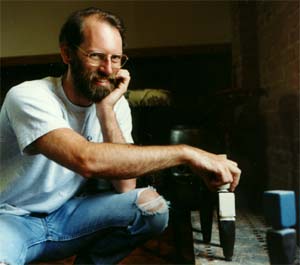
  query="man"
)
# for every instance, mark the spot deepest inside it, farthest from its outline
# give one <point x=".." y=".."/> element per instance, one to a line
<point x="57" y="133"/>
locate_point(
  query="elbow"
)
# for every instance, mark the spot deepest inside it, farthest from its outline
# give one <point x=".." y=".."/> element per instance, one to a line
<point x="84" y="169"/>
<point x="86" y="173"/>
<point x="85" y="166"/>
<point x="88" y="165"/>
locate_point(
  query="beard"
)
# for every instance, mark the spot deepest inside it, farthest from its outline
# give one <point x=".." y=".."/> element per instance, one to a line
<point x="85" y="81"/>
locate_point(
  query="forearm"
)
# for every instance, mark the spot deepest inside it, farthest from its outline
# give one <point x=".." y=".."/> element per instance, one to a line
<point x="122" y="161"/>
<point x="109" y="126"/>
<point x="112" y="134"/>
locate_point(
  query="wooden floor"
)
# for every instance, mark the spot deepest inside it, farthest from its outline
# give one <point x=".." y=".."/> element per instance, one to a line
<point x="156" y="251"/>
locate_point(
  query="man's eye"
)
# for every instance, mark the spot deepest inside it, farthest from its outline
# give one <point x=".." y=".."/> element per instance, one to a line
<point x="116" y="58"/>
<point x="97" y="56"/>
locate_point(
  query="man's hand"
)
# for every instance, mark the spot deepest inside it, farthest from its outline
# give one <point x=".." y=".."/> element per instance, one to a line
<point x="123" y="78"/>
<point x="216" y="170"/>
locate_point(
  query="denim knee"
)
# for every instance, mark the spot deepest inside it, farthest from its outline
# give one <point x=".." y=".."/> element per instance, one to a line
<point x="154" y="209"/>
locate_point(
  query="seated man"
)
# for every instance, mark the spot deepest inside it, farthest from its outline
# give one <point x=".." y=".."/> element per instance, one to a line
<point x="58" y="133"/>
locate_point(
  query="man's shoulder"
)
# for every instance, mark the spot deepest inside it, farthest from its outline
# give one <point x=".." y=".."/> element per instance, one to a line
<point x="35" y="92"/>
<point x="45" y="88"/>
<point x="46" y="84"/>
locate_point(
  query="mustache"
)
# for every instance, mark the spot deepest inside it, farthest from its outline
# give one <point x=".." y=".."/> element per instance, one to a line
<point x="100" y="75"/>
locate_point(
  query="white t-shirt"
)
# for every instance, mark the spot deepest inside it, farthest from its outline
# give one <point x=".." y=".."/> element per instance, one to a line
<point x="33" y="183"/>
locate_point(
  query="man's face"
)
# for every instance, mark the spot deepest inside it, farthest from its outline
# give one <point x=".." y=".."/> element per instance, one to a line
<point x="88" y="82"/>
<point x="95" y="82"/>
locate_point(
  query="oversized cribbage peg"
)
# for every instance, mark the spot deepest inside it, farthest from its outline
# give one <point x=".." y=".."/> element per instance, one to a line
<point x="226" y="203"/>
<point x="280" y="213"/>
<point x="281" y="246"/>
<point x="280" y="208"/>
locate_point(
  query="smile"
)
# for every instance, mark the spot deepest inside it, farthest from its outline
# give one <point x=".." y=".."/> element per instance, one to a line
<point x="101" y="81"/>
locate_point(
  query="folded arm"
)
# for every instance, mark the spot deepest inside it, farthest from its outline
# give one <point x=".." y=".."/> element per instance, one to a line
<point x="110" y="127"/>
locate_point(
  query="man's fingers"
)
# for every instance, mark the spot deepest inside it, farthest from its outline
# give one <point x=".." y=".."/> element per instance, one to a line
<point x="231" y="174"/>
<point x="232" y="162"/>
<point x="224" y="156"/>
<point x="223" y="171"/>
<point x="124" y="75"/>
<point x="236" y="173"/>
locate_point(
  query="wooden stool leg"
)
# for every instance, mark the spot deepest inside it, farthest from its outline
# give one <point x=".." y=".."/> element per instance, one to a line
<point x="183" y="237"/>
<point x="207" y="205"/>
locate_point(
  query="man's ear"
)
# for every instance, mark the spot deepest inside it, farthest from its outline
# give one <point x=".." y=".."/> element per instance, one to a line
<point x="65" y="53"/>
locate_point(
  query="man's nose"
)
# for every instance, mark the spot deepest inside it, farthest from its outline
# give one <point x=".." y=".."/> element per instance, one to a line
<point x="106" y="66"/>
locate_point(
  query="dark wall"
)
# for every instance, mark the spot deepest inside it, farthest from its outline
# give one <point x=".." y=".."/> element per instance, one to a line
<point x="193" y="79"/>
<point x="193" y="75"/>
<point x="266" y="65"/>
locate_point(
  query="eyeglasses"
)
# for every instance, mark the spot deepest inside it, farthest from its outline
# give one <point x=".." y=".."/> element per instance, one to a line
<point x="97" y="58"/>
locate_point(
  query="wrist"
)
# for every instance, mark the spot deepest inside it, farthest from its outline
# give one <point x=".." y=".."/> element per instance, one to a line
<point x="104" y="110"/>
<point x="192" y="155"/>
<point x="185" y="154"/>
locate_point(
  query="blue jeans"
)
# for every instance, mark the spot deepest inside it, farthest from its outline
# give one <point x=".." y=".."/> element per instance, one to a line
<point x="100" y="229"/>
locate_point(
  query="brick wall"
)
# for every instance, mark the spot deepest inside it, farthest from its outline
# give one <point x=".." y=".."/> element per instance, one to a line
<point x="278" y="45"/>
<point x="266" y="65"/>
<point x="248" y="138"/>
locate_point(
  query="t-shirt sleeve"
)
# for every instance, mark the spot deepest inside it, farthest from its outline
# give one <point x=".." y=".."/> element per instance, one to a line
<point x="33" y="113"/>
